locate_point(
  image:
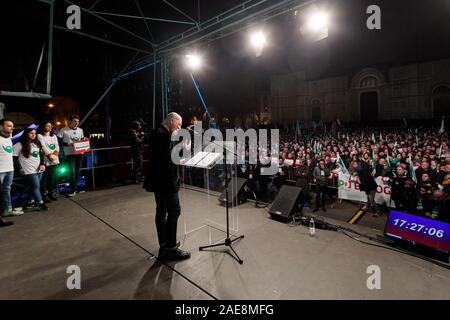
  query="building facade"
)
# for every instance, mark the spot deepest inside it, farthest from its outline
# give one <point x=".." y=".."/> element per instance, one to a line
<point x="416" y="91"/>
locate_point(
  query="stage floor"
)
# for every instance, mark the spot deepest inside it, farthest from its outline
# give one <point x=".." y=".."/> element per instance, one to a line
<point x="110" y="235"/>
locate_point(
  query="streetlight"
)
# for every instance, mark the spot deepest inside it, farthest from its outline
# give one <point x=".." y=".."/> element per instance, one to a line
<point x="51" y="105"/>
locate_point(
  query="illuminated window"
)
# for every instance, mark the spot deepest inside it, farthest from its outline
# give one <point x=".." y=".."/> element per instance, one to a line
<point x="369" y="82"/>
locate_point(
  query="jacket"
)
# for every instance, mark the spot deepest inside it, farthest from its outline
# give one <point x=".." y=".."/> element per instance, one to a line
<point x="162" y="174"/>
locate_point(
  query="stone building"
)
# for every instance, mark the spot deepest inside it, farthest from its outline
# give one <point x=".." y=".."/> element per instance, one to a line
<point x="414" y="91"/>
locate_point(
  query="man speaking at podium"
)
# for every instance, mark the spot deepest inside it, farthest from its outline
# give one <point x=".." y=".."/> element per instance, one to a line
<point x="162" y="178"/>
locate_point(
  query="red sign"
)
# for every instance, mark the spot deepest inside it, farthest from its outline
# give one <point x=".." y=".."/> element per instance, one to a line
<point x="81" y="146"/>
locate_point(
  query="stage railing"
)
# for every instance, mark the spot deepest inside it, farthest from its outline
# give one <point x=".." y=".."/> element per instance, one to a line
<point x="108" y="166"/>
<point x="112" y="166"/>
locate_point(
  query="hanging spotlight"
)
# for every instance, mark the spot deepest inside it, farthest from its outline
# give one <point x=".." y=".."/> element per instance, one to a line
<point x="193" y="61"/>
<point x="258" y="41"/>
<point x="316" y="24"/>
<point x="317" y="21"/>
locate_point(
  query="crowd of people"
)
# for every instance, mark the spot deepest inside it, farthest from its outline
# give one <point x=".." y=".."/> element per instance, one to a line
<point x="415" y="163"/>
<point x="35" y="157"/>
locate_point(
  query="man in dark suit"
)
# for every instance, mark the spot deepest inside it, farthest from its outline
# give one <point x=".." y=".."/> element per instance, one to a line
<point x="163" y="179"/>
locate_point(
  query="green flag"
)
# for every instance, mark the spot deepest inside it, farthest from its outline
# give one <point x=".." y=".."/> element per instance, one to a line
<point x="411" y="170"/>
<point x="341" y="164"/>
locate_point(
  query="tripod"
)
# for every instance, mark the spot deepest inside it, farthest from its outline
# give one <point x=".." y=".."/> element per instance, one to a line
<point x="228" y="241"/>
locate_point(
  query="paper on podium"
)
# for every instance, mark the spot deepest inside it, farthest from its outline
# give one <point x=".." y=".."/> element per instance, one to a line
<point x="209" y="160"/>
<point x="195" y="159"/>
<point x="203" y="159"/>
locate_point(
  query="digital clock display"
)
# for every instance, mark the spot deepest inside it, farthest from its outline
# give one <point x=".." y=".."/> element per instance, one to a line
<point x="416" y="229"/>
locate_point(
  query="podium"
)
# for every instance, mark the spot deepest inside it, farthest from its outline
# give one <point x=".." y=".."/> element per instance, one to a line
<point x="213" y="217"/>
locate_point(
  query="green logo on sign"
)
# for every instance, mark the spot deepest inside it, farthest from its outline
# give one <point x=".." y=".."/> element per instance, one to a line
<point x="35" y="154"/>
<point x="8" y="149"/>
<point x="51" y="146"/>
<point x="75" y="139"/>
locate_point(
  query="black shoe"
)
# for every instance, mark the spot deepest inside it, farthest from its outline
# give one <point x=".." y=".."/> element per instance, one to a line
<point x="4" y="223"/>
<point x="161" y="253"/>
<point x="42" y="207"/>
<point x="46" y="199"/>
<point x="161" y="249"/>
<point x="174" y="254"/>
<point x="324" y="209"/>
<point x="52" y="197"/>
<point x="315" y="210"/>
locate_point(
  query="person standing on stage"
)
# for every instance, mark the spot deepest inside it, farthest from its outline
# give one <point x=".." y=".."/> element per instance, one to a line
<point x="68" y="136"/>
<point x="50" y="147"/>
<point x="137" y="148"/>
<point x="163" y="179"/>
<point x="29" y="159"/>
<point x="6" y="172"/>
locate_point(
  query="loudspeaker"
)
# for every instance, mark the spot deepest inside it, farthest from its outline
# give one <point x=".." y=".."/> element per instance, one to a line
<point x="236" y="192"/>
<point x="285" y="203"/>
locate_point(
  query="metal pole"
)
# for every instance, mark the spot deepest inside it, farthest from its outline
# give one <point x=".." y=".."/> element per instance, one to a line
<point x="145" y="21"/>
<point x="92" y="7"/>
<point x="113" y="24"/>
<point x="163" y="84"/>
<point x="98" y="102"/>
<point x="50" y="49"/>
<point x="178" y="10"/>
<point x="38" y="67"/>
<point x="154" y="88"/>
<point x="166" y="86"/>
<point x="142" y="17"/>
<point x="102" y="40"/>
<point x="113" y="82"/>
<point x="92" y="169"/>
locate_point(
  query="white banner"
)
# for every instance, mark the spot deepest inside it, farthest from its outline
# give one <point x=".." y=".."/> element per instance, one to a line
<point x="349" y="190"/>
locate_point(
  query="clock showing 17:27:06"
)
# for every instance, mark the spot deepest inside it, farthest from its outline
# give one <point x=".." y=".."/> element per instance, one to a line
<point x="419" y="228"/>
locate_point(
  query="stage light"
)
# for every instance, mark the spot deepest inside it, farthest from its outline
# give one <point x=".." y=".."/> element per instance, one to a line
<point x="51" y="105"/>
<point x="316" y="24"/>
<point x="193" y="61"/>
<point x="258" y="40"/>
<point x="317" y="21"/>
<point x="58" y="123"/>
<point x="62" y="170"/>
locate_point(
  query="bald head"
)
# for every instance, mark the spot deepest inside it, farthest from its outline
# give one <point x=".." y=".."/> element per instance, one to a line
<point x="172" y="122"/>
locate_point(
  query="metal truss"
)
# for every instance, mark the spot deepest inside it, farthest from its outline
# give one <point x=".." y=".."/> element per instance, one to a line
<point x="248" y="13"/>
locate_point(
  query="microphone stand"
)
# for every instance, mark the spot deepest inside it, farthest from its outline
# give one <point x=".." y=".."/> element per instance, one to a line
<point x="228" y="241"/>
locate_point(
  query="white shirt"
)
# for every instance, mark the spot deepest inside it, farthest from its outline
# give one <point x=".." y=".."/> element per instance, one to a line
<point x="29" y="165"/>
<point x="49" y="145"/>
<point x="6" y="155"/>
<point x="69" y="135"/>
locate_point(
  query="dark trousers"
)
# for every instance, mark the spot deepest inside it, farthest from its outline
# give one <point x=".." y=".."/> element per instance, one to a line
<point x="321" y="194"/>
<point x="48" y="181"/>
<point x="167" y="213"/>
<point x="137" y="166"/>
<point x="74" y="163"/>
